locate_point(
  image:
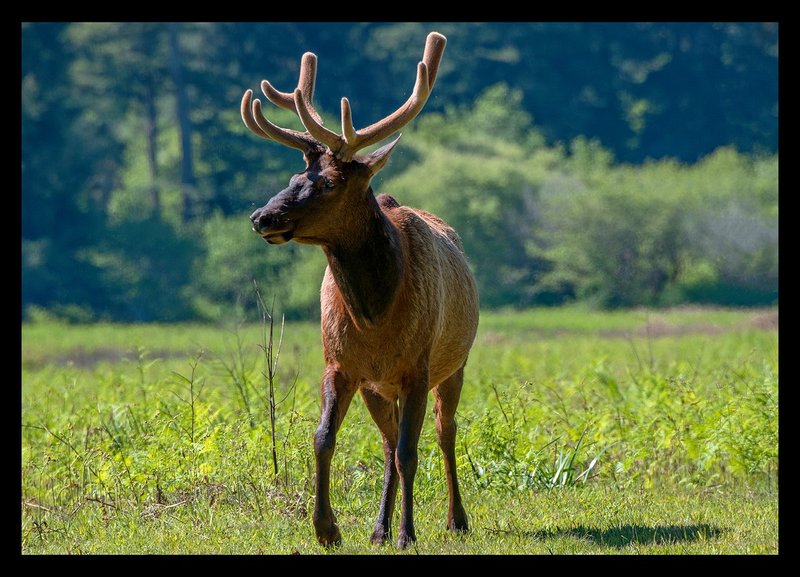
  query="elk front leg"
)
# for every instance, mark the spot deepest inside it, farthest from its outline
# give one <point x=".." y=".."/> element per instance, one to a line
<point x="412" y="412"/>
<point x="337" y="393"/>
<point x="384" y="413"/>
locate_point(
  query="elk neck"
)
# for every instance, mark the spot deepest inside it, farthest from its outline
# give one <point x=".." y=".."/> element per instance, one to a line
<point x="367" y="264"/>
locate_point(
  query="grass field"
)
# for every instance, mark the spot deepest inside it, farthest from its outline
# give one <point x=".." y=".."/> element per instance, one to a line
<point x="643" y="432"/>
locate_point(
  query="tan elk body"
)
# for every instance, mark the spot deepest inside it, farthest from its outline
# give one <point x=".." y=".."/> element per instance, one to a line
<point x="399" y="304"/>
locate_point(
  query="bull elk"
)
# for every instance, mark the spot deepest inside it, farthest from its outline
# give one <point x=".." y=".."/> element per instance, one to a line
<point x="399" y="304"/>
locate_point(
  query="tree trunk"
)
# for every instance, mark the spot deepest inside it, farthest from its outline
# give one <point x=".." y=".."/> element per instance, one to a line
<point x="184" y="125"/>
<point x="151" y="131"/>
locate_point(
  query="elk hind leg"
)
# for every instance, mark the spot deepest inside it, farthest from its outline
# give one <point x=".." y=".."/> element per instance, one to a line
<point x="385" y="415"/>
<point x="447" y="395"/>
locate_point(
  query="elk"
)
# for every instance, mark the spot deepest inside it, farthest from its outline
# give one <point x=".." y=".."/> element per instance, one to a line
<point x="399" y="303"/>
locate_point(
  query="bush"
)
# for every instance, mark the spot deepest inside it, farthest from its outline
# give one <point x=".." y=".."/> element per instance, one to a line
<point x="663" y="232"/>
<point x="235" y="257"/>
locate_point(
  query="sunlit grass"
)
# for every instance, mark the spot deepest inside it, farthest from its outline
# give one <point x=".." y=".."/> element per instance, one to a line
<point x="579" y="432"/>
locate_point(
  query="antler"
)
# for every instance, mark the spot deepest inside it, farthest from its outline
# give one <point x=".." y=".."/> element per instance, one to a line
<point x="255" y="120"/>
<point x="344" y="146"/>
<point x="352" y="140"/>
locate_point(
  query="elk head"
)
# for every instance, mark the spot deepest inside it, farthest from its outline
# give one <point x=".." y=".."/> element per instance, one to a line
<point x="319" y="202"/>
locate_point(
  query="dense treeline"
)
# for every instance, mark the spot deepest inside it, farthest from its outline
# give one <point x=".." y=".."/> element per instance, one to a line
<point x="623" y="164"/>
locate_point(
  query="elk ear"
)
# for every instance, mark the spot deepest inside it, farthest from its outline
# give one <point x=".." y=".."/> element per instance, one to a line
<point x="377" y="159"/>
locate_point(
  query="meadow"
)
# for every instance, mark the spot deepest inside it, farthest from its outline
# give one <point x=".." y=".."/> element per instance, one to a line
<point x="627" y="432"/>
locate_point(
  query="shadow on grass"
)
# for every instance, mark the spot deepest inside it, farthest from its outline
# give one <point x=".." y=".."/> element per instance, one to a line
<point x="624" y="535"/>
<point x="627" y="534"/>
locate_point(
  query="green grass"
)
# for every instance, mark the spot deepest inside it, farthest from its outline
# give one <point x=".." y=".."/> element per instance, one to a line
<point x="638" y="431"/>
<point x="570" y="521"/>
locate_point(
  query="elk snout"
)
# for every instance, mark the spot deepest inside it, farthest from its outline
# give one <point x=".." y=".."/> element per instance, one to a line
<point x="272" y="225"/>
<point x="260" y="219"/>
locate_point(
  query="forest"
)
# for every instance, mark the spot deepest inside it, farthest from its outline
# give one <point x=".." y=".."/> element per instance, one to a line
<point x="615" y="164"/>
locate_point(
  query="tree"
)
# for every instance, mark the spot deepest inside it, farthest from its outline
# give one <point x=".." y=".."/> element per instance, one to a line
<point x="120" y="68"/>
<point x="184" y="125"/>
<point x="70" y="163"/>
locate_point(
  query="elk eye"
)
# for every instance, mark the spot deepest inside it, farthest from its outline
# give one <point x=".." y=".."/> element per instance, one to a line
<point x="329" y="183"/>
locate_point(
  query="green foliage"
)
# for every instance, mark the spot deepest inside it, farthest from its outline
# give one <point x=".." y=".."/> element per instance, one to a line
<point x="663" y="232"/>
<point x="506" y="460"/>
<point x="126" y="200"/>
<point x="675" y="410"/>
<point x="236" y="257"/>
<point x="635" y="431"/>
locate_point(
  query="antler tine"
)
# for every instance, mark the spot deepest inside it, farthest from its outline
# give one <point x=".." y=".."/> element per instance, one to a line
<point x="348" y="131"/>
<point x="308" y="77"/>
<point x="254" y="120"/>
<point x="247" y="115"/>
<point x="432" y="57"/>
<point x="314" y="127"/>
<point x="355" y="140"/>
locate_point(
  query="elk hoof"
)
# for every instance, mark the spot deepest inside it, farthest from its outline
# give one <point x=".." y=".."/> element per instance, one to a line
<point x="458" y="523"/>
<point x="405" y="540"/>
<point x="330" y="536"/>
<point x="380" y="536"/>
